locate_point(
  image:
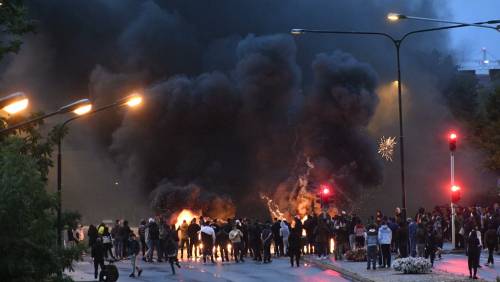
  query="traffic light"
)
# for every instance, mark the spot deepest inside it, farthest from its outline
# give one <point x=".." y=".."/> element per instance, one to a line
<point x="325" y="193"/>
<point x="453" y="141"/>
<point x="455" y="194"/>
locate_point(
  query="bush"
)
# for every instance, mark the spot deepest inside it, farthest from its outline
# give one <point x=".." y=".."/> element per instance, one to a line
<point x="411" y="265"/>
<point x="356" y="255"/>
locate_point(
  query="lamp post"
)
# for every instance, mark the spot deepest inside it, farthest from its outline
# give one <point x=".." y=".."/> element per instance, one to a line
<point x="78" y="107"/>
<point x="396" y="17"/>
<point x="131" y="101"/>
<point x="397" y="45"/>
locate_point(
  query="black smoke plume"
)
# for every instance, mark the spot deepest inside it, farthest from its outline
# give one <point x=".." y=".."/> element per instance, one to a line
<point x="232" y="103"/>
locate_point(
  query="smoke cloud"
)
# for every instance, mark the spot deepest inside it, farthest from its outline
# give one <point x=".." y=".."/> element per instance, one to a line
<point x="235" y="106"/>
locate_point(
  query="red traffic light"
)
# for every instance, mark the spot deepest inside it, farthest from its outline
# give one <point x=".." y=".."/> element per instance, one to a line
<point x="325" y="191"/>
<point x="453" y="141"/>
<point x="455" y="194"/>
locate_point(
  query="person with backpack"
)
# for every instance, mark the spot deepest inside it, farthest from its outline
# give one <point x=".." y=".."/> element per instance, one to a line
<point x="371" y="246"/>
<point x="133" y="251"/>
<point x="107" y="242"/>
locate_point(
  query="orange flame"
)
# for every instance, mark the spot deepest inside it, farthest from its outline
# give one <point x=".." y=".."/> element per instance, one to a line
<point x="186" y="215"/>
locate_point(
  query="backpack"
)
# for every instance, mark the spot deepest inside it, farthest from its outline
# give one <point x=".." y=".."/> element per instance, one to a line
<point x="109" y="273"/>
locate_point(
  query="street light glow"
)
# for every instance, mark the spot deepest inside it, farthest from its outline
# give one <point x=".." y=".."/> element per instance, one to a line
<point x="297" y="31"/>
<point x="395" y="17"/>
<point x="453" y="136"/>
<point x="14" y="103"/>
<point x="134" y="100"/>
<point x="83" y="109"/>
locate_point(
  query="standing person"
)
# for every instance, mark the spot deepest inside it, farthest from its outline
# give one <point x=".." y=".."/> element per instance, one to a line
<point x="322" y="234"/>
<point x="162" y="241"/>
<point x="267" y="238"/>
<point x="284" y="234"/>
<point x="171" y="247"/>
<point x="421" y="240"/>
<point x="371" y="246"/>
<point x="309" y="226"/>
<point x="385" y="238"/>
<point x="97" y="253"/>
<point x="92" y="234"/>
<point x="222" y="240"/>
<point x="491" y="241"/>
<point x="403" y="239"/>
<point x="255" y="241"/>
<point x="340" y="235"/>
<point x="107" y="242"/>
<point x="412" y="234"/>
<point x="153" y="240"/>
<point x="473" y="253"/>
<point x="142" y="236"/>
<point x="294" y="246"/>
<point x="350" y="229"/>
<point x="133" y="250"/>
<point x="431" y="246"/>
<point x="184" y="238"/>
<point x="278" y="242"/>
<point x="359" y="233"/>
<point x="193" y="230"/>
<point x="125" y="230"/>
<point x="438" y="230"/>
<point x="117" y="239"/>
<point x="208" y="241"/>
<point x="236" y="238"/>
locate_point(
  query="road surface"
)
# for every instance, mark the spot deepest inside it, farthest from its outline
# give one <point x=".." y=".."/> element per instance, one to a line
<point x="278" y="270"/>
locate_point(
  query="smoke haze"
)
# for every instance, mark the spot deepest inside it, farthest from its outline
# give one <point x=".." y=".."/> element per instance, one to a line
<point x="233" y="101"/>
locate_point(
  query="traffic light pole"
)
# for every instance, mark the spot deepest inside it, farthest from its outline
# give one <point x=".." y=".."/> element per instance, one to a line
<point x="453" y="214"/>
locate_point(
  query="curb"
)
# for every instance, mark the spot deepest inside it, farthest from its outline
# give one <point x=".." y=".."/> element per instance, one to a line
<point x="346" y="273"/>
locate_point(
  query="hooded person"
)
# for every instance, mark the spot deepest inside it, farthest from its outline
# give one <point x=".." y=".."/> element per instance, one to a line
<point x="284" y="234"/>
<point x="371" y="240"/>
<point x="385" y="239"/>
<point x="208" y="240"/>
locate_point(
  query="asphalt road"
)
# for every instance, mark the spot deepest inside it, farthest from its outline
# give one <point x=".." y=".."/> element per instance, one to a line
<point x="278" y="270"/>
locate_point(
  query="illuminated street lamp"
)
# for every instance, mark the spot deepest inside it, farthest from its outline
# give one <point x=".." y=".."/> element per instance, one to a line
<point x="397" y="45"/>
<point x="79" y="107"/>
<point x="82" y="110"/>
<point x="14" y="103"/>
<point x="394" y="17"/>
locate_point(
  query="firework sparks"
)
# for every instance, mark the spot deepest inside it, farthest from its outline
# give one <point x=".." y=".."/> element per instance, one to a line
<point x="386" y="147"/>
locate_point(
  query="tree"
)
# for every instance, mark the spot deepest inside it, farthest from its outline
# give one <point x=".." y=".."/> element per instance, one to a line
<point x="13" y="24"/>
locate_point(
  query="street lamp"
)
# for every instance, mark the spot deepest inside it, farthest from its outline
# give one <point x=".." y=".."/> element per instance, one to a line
<point x="393" y="17"/>
<point x="79" y="107"/>
<point x="397" y="45"/>
<point x="131" y="101"/>
<point x="14" y="103"/>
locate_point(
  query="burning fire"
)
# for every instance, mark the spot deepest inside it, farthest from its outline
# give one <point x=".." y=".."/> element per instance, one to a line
<point x="273" y="208"/>
<point x="186" y="215"/>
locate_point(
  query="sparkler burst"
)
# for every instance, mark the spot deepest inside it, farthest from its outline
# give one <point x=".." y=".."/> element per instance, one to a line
<point x="386" y="147"/>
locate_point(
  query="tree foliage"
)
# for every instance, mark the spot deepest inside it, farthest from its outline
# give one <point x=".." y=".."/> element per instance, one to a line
<point x="13" y="24"/>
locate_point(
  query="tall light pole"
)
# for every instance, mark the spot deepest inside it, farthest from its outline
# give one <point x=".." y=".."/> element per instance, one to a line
<point x="397" y="45"/>
<point x="131" y="101"/>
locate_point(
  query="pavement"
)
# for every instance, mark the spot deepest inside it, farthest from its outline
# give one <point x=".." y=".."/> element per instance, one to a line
<point x="452" y="267"/>
<point x="250" y="271"/>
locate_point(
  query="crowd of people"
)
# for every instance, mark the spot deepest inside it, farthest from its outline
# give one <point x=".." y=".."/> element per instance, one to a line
<point x="381" y="236"/>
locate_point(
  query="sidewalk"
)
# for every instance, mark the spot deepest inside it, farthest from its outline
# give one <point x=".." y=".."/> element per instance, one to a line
<point x="453" y="267"/>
